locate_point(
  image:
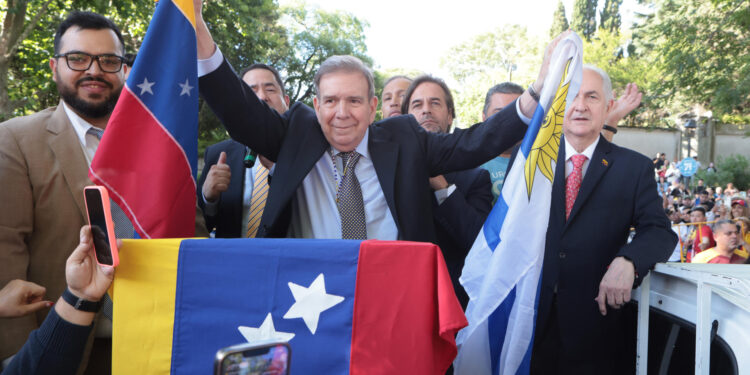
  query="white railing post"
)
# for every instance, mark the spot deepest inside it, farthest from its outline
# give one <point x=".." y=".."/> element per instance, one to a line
<point x="644" y="304"/>
<point x="703" y="330"/>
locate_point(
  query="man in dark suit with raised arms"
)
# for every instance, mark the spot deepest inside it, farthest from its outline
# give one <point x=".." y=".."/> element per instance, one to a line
<point x="335" y="175"/>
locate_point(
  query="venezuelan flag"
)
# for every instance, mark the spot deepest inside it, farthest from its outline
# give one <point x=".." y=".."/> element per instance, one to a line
<point x="370" y="307"/>
<point x="148" y="154"/>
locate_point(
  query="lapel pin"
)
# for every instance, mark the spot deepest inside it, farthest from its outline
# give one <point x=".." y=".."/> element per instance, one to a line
<point x="605" y="162"/>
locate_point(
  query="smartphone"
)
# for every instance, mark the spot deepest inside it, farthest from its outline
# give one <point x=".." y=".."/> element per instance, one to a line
<point x="102" y="228"/>
<point x="267" y="358"/>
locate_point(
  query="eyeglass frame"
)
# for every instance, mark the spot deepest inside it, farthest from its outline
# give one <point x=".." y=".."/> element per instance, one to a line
<point x="91" y="61"/>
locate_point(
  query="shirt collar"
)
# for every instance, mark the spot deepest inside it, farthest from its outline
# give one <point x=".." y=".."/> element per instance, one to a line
<point x="80" y="125"/>
<point x="361" y="148"/>
<point x="588" y="152"/>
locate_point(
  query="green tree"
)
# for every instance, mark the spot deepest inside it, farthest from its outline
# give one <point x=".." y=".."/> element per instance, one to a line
<point x="610" y="16"/>
<point x="506" y="54"/>
<point x="607" y="51"/>
<point x="733" y="168"/>
<point x="584" y="18"/>
<point x="704" y="48"/>
<point x="559" y="21"/>
<point x="313" y="35"/>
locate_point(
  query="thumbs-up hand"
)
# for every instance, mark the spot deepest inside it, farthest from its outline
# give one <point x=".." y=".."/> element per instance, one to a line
<point x="217" y="180"/>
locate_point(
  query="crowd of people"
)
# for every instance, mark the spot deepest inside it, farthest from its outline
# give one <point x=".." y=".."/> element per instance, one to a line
<point x="696" y="216"/>
<point x="331" y="172"/>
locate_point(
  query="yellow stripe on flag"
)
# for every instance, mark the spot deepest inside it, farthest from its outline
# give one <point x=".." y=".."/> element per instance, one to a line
<point x="186" y="7"/>
<point x="145" y="283"/>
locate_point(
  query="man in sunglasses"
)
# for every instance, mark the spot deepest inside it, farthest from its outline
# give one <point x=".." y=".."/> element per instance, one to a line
<point x="44" y="160"/>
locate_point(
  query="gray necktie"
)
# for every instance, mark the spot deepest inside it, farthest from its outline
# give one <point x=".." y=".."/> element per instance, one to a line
<point x="349" y="200"/>
<point x="123" y="227"/>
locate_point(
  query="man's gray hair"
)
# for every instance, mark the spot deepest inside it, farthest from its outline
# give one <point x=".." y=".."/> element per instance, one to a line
<point x="501" y="88"/>
<point x="345" y="63"/>
<point x="606" y="82"/>
<point x="722" y="222"/>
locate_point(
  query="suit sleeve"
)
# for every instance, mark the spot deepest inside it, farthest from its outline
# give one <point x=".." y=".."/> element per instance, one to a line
<point x="248" y="120"/>
<point x="462" y="214"/>
<point x="55" y="348"/>
<point x="469" y="148"/>
<point x="654" y="239"/>
<point x="209" y="159"/>
<point x="16" y="225"/>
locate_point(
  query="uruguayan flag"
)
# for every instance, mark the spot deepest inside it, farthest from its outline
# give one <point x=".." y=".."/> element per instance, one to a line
<point x="503" y="269"/>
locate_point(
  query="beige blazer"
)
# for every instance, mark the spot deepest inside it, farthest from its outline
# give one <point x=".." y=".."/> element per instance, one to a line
<point x="43" y="171"/>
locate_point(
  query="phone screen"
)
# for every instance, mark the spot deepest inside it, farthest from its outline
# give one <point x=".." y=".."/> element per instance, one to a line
<point x="269" y="360"/>
<point x="98" y="226"/>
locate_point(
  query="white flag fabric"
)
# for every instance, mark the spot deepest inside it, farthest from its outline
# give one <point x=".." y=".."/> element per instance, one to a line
<point x="502" y="271"/>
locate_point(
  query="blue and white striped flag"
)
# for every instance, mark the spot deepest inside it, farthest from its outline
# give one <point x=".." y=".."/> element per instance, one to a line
<point x="503" y="269"/>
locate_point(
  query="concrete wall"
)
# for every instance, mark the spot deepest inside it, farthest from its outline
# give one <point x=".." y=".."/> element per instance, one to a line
<point x="707" y="143"/>
<point x="650" y="141"/>
<point x="730" y="140"/>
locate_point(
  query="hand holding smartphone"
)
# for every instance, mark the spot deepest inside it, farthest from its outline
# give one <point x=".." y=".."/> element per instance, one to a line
<point x="102" y="227"/>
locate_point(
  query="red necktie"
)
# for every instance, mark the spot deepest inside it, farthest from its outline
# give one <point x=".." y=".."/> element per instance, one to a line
<point x="573" y="183"/>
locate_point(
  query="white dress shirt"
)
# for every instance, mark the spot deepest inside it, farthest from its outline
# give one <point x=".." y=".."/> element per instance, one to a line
<point x="570" y="151"/>
<point x="88" y="142"/>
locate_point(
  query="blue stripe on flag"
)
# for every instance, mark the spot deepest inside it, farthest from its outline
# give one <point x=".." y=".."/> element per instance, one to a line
<point x="525" y="366"/>
<point x="532" y="131"/>
<point x="497" y="326"/>
<point x="494" y="223"/>
<point x="175" y="37"/>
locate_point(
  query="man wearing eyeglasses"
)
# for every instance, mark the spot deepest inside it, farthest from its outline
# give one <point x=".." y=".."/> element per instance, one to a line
<point x="44" y="160"/>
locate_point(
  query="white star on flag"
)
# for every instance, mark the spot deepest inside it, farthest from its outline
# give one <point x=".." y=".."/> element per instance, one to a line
<point x="310" y="302"/>
<point x="266" y="331"/>
<point x="185" y="88"/>
<point x="146" y="86"/>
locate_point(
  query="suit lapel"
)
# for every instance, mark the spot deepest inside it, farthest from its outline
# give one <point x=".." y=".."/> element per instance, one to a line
<point x="384" y="154"/>
<point x="557" y="205"/>
<point x="285" y="182"/>
<point x="598" y="165"/>
<point x="68" y="152"/>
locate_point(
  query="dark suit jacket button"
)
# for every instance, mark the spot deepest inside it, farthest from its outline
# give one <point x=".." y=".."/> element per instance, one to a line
<point x="562" y="255"/>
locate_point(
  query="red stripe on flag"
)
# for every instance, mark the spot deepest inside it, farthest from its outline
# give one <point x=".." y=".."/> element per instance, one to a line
<point x="406" y="313"/>
<point x="146" y="172"/>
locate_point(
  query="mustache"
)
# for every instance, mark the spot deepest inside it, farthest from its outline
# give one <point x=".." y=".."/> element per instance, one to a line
<point x="97" y="79"/>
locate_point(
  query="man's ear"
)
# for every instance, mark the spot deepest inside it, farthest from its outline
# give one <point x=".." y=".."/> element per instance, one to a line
<point x="286" y="100"/>
<point x="53" y="67"/>
<point x="373" y="108"/>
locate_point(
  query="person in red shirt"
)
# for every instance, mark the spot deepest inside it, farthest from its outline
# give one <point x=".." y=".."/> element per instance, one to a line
<point x="727" y="240"/>
<point x="702" y="236"/>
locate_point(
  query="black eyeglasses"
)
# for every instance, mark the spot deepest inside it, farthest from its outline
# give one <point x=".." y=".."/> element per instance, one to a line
<point x="82" y="61"/>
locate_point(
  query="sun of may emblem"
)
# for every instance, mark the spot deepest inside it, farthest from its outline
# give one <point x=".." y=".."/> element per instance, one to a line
<point x="547" y="142"/>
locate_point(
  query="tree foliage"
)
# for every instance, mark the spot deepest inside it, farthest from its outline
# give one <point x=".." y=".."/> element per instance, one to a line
<point x="559" y="21"/>
<point x="506" y="54"/>
<point x="704" y="49"/>
<point x="313" y="35"/>
<point x="584" y="18"/>
<point x="610" y="19"/>
<point x="734" y="169"/>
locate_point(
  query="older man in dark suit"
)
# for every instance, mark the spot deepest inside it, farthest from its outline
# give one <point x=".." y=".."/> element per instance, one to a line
<point x="600" y="191"/>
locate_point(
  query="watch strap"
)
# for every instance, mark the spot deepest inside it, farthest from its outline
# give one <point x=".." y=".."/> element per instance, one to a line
<point x="533" y="93"/>
<point x="81" y="304"/>
<point x="610" y="128"/>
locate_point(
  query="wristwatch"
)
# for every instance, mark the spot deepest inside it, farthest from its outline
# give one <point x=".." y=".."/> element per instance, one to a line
<point x="81" y="304"/>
